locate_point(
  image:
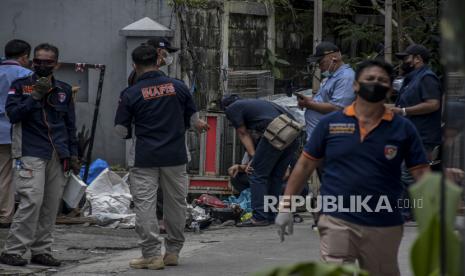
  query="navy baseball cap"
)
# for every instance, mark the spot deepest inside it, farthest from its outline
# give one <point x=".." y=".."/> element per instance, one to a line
<point x="163" y="43"/>
<point x="228" y="100"/>
<point x="415" y="49"/>
<point x="323" y="49"/>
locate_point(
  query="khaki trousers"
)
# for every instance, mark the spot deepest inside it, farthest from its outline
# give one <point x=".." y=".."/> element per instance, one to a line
<point x="7" y="191"/>
<point x="375" y="248"/>
<point x="144" y="183"/>
<point x="39" y="184"/>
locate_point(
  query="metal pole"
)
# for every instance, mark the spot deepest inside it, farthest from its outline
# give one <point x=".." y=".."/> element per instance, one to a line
<point x="94" y="122"/>
<point x="317" y="37"/>
<point x="442" y="209"/>
<point x="388" y="31"/>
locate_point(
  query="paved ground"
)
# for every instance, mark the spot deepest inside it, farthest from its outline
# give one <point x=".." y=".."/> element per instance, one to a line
<point x="226" y="251"/>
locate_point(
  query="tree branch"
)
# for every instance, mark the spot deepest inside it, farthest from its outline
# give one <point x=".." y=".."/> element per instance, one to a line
<point x="394" y="22"/>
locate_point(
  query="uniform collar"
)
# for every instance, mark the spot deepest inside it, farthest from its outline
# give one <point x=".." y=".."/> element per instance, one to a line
<point x="412" y="74"/>
<point x="339" y="70"/>
<point x="150" y="74"/>
<point x="350" y="111"/>
<point x="10" y="62"/>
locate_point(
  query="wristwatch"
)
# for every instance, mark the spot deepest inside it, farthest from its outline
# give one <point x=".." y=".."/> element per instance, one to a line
<point x="404" y="112"/>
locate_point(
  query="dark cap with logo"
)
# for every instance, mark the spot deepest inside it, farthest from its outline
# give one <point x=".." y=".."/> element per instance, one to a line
<point x="323" y="49"/>
<point x="415" y="49"/>
<point x="163" y="43"/>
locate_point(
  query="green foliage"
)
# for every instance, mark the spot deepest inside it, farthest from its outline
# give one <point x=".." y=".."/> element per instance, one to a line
<point x="350" y="31"/>
<point x="343" y="6"/>
<point x="314" y="269"/>
<point x="425" y="252"/>
<point x="413" y="20"/>
<point x="272" y="62"/>
<point x="453" y="35"/>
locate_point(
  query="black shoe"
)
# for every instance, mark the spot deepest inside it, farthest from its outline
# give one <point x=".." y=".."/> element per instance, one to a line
<point x="253" y="223"/>
<point x="45" y="259"/>
<point x="13" y="259"/>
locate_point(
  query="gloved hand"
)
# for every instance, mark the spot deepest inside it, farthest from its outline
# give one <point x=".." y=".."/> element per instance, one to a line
<point x="284" y="220"/>
<point x="75" y="164"/>
<point x="41" y="88"/>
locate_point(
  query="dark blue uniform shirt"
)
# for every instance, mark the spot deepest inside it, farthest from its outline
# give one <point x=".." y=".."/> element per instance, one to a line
<point x="42" y="127"/>
<point x="160" y="108"/>
<point x="252" y="113"/>
<point x="419" y="86"/>
<point x="357" y="163"/>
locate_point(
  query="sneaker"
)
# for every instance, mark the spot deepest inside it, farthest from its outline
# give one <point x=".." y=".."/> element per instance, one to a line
<point x="45" y="259"/>
<point x="150" y="263"/>
<point x="171" y="259"/>
<point x="12" y="259"/>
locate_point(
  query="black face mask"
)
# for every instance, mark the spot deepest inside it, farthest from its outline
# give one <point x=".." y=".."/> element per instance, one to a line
<point x="407" y="67"/>
<point x="373" y="92"/>
<point x="43" y="71"/>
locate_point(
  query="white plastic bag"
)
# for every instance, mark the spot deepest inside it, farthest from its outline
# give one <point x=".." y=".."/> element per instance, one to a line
<point x="109" y="197"/>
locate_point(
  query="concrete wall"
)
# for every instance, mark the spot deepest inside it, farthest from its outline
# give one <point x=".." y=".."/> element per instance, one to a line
<point x="247" y="41"/>
<point x="85" y="31"/>
<point x="200" y="55"/>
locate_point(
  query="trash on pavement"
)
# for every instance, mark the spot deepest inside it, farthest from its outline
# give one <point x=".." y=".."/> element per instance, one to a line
<point x="197" y="218"/>
<point x="211" y="201"/>
<point x="110" y="199"/>
<point x="246" y="216"/>
<point x="244" y="200"/>
<point x="224" y="214"/>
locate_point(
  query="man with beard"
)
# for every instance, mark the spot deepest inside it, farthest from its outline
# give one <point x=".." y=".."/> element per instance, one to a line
<point x="419" y="101"/>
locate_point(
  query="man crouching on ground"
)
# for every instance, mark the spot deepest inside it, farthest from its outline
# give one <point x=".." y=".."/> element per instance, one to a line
<point x="160" y="108"/>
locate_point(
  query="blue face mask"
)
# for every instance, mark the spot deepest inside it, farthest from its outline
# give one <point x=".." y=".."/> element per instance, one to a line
<point x="328" y="73"/>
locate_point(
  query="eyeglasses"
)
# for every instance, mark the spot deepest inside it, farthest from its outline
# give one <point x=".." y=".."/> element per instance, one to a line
<point x="46" y="62"/>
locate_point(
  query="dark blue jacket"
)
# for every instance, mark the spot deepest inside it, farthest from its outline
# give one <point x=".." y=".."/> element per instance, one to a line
<point x="41" y="127"/>
<point x="418" y="86"/>
<point x="160" y="108"/>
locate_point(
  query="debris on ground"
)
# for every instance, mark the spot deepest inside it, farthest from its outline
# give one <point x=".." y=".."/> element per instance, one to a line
<point x="244" y="200"/>
<point x="209" y="201"/>
<point x="109" y="200"/>
<point x="75" y="220"/>
<point x="246" y="216"/>
<point x="197" y="218"/>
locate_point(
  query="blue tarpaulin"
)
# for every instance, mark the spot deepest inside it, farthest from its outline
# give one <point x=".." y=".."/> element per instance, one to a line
<point x="94" y="170"/>
<point x="244" y="200"/>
